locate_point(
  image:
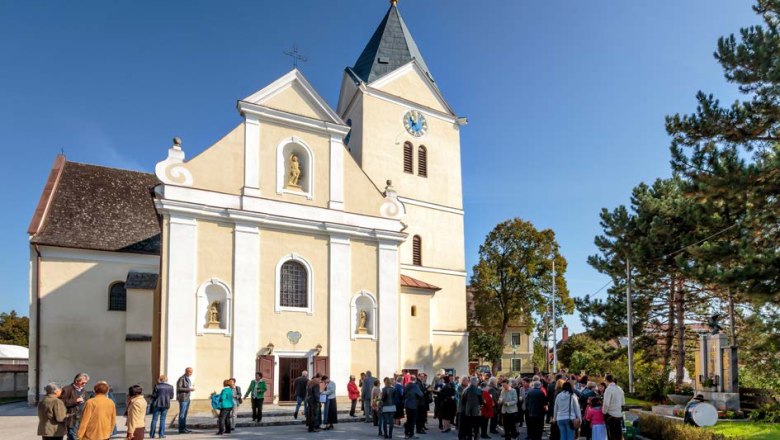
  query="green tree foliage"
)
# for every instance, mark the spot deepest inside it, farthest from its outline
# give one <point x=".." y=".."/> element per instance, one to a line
<point x="514" y="275"/>
<point x="729" y="159"/>
<point x="14" y="329"/>
<point x="485" y="345"/>
<point x="583" y="353"/>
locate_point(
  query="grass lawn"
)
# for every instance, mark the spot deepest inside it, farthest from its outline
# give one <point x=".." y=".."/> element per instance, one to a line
<point x="633" y="401"/>
<point x="749" y="430"/>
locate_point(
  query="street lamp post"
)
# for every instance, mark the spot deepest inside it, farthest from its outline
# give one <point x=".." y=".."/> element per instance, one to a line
<point x="554" y="324"/>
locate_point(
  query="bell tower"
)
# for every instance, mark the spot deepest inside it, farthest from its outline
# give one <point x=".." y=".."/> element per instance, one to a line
<point x="403" y="130"/>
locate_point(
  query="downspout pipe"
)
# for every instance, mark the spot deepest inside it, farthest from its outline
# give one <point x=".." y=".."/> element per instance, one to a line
<point x="37" y="323"/>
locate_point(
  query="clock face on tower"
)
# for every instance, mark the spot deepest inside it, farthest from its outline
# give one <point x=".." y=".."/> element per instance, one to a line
<point x="415" y="123"/>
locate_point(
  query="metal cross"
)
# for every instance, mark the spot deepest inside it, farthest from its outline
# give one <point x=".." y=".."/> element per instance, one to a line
<point x="295" y="55"/>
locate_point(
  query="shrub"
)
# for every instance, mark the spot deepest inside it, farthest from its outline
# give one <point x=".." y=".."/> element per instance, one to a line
<point x="659" y="428"/>
<point x="768" y="412"/>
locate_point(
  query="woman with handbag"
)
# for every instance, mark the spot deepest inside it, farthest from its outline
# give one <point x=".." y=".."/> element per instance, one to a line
<point x="509" y="407"/>
<point x="387" y="406"/>
<point x="567" y="412"/>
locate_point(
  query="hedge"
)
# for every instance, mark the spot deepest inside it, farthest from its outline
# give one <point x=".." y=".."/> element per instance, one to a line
<point x="660" y="428"/>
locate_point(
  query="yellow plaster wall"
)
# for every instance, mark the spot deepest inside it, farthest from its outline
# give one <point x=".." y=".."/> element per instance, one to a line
<point x="416" y="350"/>
<point x="411" y="86"/>
<point x="364" y="267"/>
<point x="213" y="364"/>
<point x="95" y="342"/>
<point x="221" y="166"/>
<point x="450" y="351"/>
<point x="364" y="357"/>
<point x="274" y="245"/>
<point x="442" y="236"/>
<point x="360" y="194"/>
<point x="292" y="100"/>
<point x="448" y="305"/>
<point x="382" y="154"/>
<point x="271" y="135"/>
<point x="215" y="252"/>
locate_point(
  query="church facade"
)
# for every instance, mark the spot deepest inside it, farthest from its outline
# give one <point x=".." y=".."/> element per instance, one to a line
<point x="307" y="237"/>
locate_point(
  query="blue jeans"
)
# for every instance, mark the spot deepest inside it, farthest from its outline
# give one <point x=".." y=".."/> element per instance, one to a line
<point x="298" y="401"/>
<point x="72" y="432"/>
<point x="184" y="406"/>
<point x="387" y="423"/>
<point x="567" y="432"/>
<point x="162" y="413"/>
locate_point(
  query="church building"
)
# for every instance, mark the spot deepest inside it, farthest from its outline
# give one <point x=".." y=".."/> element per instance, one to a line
<point x="306" y="238"/>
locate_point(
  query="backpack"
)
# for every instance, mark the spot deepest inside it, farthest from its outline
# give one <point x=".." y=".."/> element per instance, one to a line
<point x="216" y="401"/>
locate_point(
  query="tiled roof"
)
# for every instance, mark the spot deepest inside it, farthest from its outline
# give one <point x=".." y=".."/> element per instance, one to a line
<point x="391" y="47"/>
<point x="141" y="280"/>
<point x="407" y="281"/>
<point x="100" y="208"/>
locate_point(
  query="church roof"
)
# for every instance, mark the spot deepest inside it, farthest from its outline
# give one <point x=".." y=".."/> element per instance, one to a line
<point x="99" y="208"/>
<point x="391" y="47"/>
<point x="407" y="281"/>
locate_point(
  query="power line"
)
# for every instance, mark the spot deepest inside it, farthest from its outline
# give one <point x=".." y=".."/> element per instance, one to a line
<point x="699" y="242"/>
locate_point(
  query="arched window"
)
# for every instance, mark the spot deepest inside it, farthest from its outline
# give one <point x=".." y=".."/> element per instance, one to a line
<point x="422" y="161"/>
<point x="293" y="285"/>
<point x="408" y="153"/>
<point x="417" y="250"/>
<point x="117" y="297"/>
<point x="414" y="310"/>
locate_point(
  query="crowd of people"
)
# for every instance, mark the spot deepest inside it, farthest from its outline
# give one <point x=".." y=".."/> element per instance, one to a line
<point x="472" y="406"/>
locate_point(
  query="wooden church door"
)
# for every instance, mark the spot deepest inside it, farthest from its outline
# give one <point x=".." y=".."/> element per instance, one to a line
<point x="321" y="365"/>
<point x="265" y="365"/>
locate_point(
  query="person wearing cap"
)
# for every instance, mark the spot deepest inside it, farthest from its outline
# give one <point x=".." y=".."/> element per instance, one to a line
<point x="52" y="414"/>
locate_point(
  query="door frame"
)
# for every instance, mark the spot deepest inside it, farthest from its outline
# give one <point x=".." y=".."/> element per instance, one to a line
<point x="309" y="355"/>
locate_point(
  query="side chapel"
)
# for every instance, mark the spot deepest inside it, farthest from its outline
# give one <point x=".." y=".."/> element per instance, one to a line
<point x="306" y="238"/>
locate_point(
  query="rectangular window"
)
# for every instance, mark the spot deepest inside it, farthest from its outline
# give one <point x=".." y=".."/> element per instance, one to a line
<point x="517" y="364"/>
<point x="515" y="339"/>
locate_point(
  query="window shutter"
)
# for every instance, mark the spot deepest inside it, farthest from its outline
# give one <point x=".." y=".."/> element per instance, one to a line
<point x="422" y="161"/>
<point x="408" y="152"/>
<point x="417" y="251"/>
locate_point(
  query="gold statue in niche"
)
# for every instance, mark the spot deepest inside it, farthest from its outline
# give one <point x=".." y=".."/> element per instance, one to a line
<point x="213" y="316"/>
<point x="362" y="320"/>
<point x="295" y="172"/>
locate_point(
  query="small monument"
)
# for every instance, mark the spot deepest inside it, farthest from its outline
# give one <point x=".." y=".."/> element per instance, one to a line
<point x="716" y="377"/>
<point x="362" y="321"/>
<point x="214" y="316"/>
<point x="295" y="173"/>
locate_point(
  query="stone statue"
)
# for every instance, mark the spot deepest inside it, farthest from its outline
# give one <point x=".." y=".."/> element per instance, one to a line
<point x="714" y="323"/>
<point x="362" y="320"/>
<point x="295" y="172"/>
<point x="213" y="315"/>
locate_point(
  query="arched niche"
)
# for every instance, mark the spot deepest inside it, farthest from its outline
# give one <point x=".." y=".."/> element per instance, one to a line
<point x="213" y="294"/>
<point x="363" y="302"/>
<point x="304" y="156"/>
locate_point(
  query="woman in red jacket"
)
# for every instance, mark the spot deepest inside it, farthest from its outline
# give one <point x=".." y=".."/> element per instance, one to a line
<point x="354" y="394"/>
<point x="487" y="410"/>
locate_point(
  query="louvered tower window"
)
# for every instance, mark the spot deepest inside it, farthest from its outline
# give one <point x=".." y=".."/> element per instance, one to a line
<point x="408" y="152"/>
<point x="293" y="285"/>
<point x="422" y="161"/>
<point x="417" y="250"/>
<point x="117" y="297"/>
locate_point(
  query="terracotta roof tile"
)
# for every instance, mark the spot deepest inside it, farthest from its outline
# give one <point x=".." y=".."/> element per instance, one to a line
<point x="407" y="281"/>
<point x="101" y="208"/>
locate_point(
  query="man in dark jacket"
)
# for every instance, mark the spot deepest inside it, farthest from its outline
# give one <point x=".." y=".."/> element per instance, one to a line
<point x="299" y="387"/>
<point x="535" y="402"/>
<point x="161" y="402"/>
<point x="412" y="396"/>
<point x="183" y="390"/>
<point x="472" y="402"/>
<point x="73" y="396"/>
<point x="365" y="395"/>
<point x="424" y="406"/>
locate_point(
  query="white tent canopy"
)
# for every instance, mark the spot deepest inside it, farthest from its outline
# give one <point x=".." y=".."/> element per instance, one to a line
<point x="13" y="352"/>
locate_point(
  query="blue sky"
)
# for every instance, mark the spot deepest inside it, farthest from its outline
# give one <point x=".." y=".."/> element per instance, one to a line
<point x="565" y="100"/>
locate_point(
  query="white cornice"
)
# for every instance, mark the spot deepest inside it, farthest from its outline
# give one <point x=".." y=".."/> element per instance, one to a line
<point x="435" y="206"/>
<point x="291" y="119"/>
<point x="450" y="332"/>
<point x="149" y="262"/>
<point x="433" y="270"/>
<point x="197" y="203"/>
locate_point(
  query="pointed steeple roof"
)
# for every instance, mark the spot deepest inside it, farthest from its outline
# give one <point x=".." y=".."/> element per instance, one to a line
<point x="390" y="47"/>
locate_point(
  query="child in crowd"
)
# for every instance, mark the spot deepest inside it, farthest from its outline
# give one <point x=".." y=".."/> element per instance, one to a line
<point x="596" y="419"/>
